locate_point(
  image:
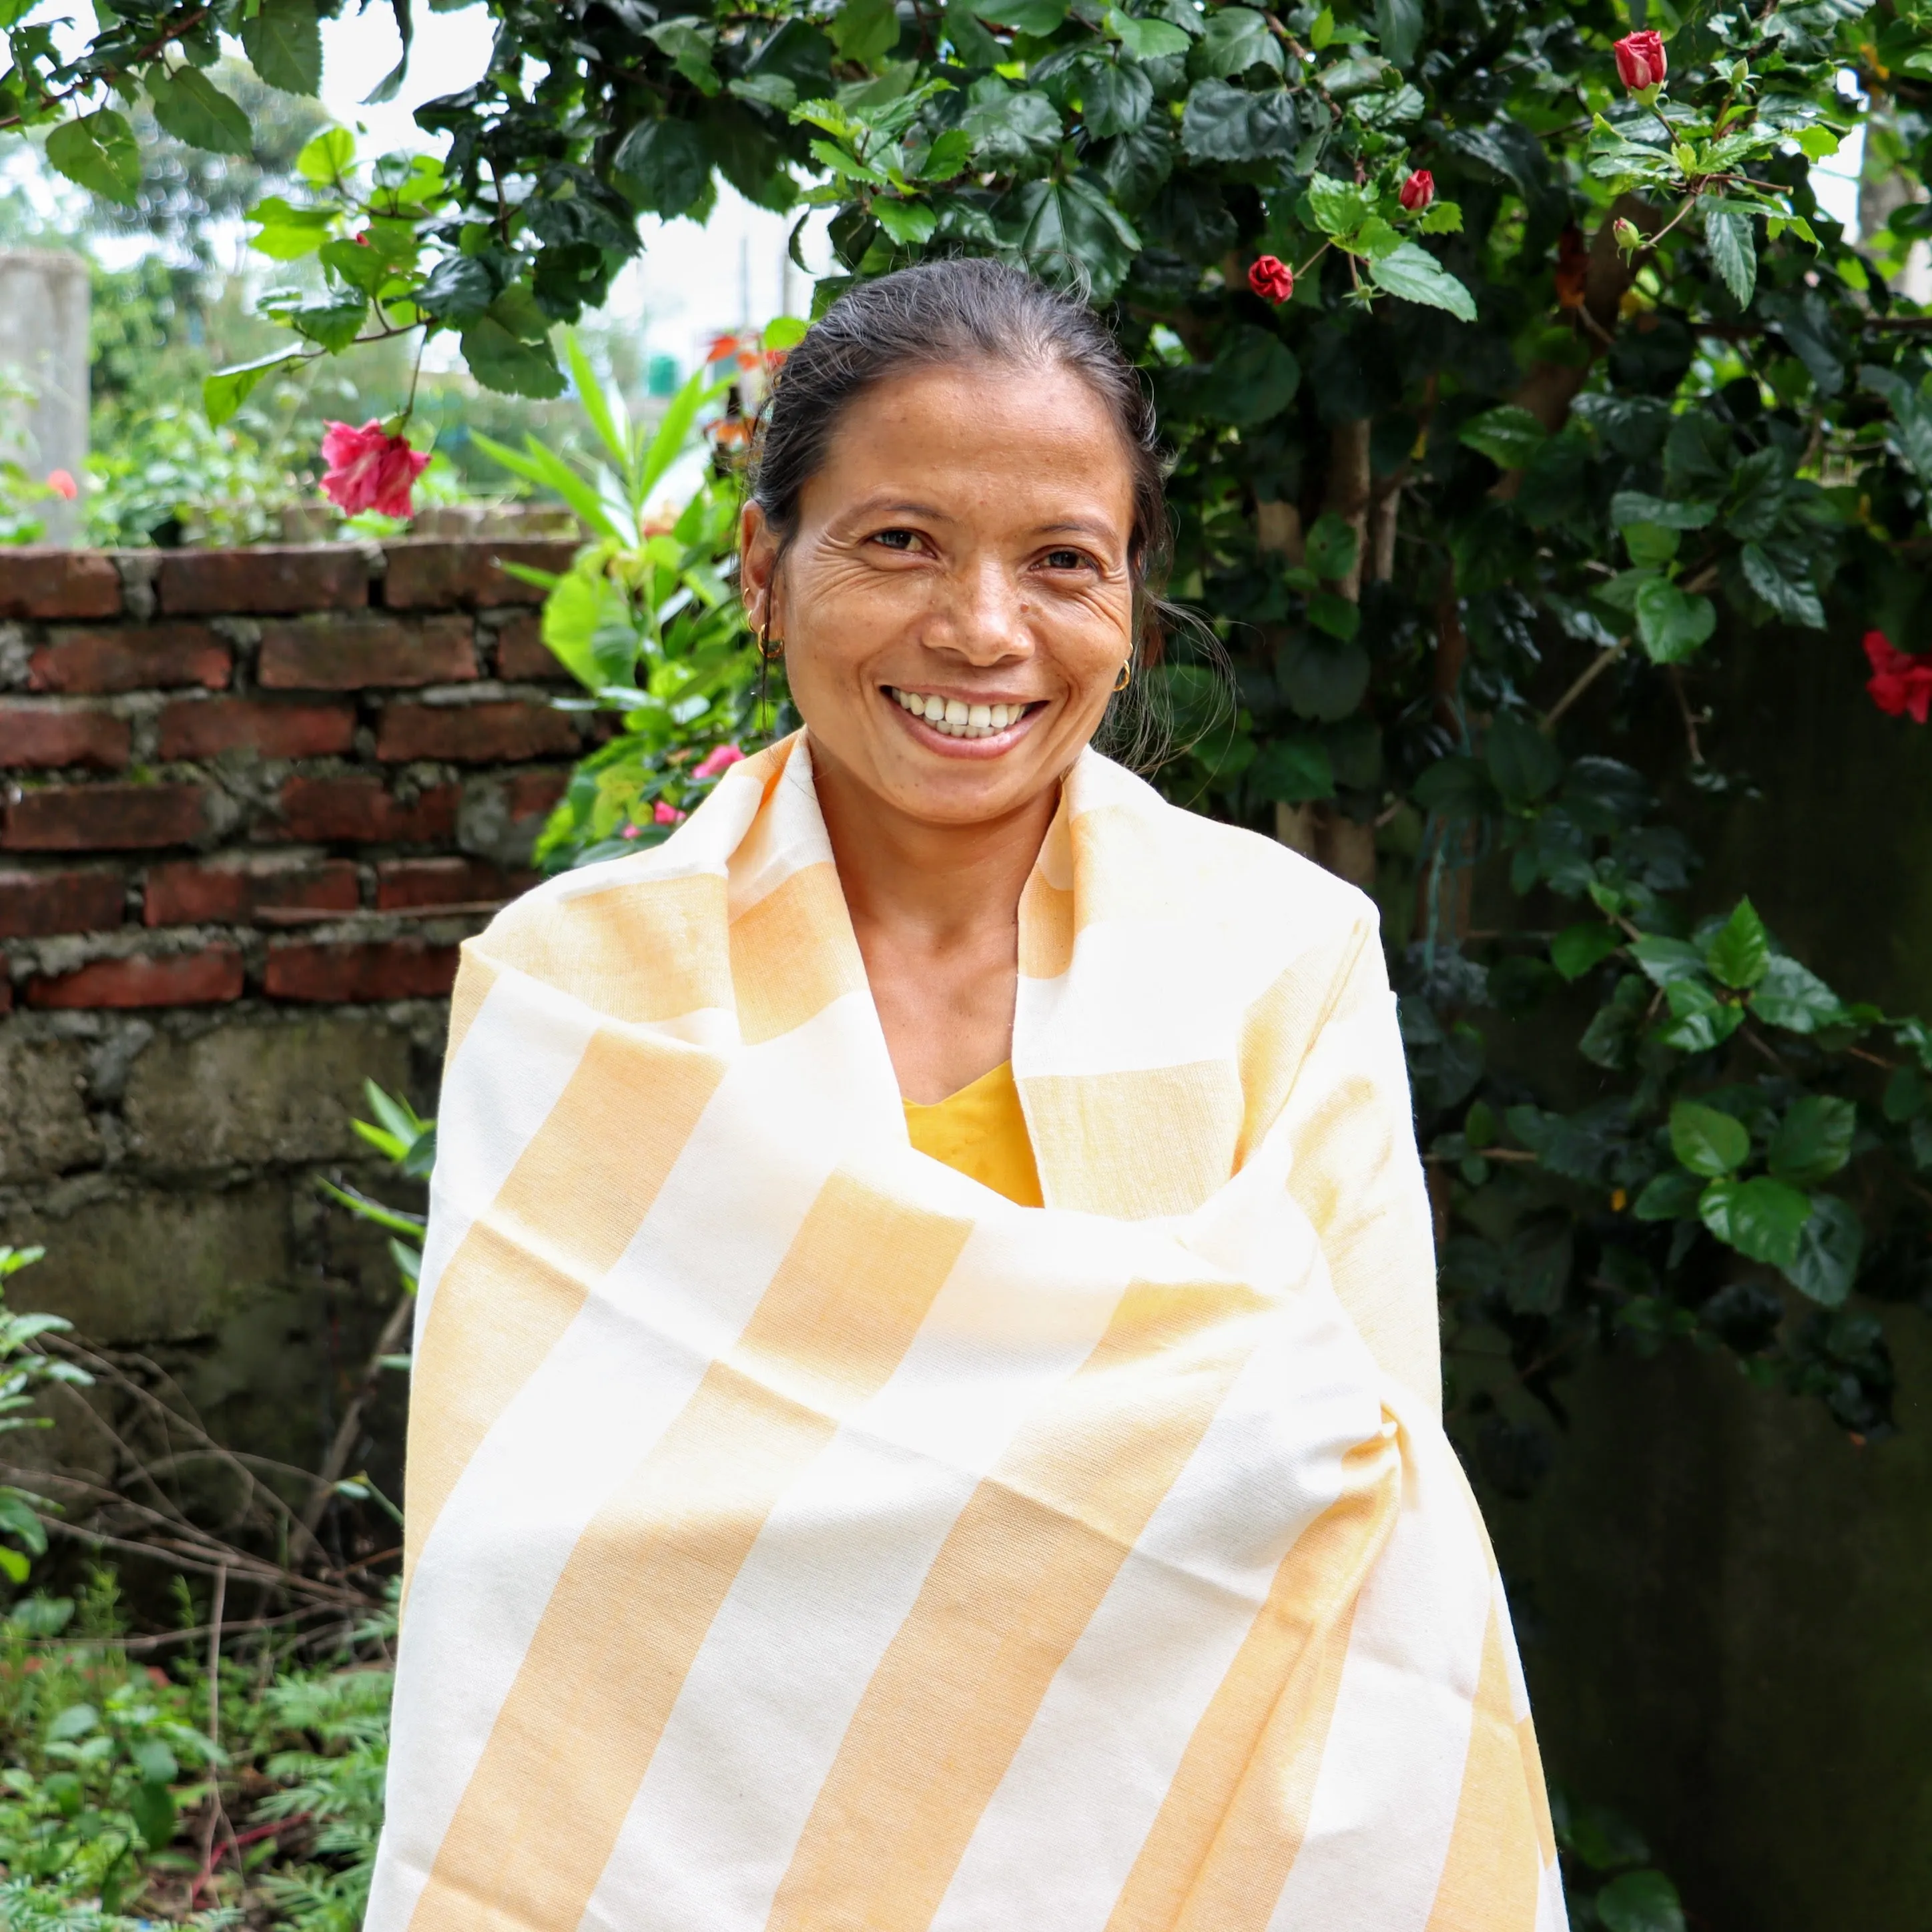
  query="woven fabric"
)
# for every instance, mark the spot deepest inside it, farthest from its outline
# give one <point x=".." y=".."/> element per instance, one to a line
<point x="982" y="1131"/>
<point x="804" y="1538"/>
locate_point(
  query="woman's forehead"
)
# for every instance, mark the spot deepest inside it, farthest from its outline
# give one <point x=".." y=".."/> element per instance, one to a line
<point x="1032" y="426"/>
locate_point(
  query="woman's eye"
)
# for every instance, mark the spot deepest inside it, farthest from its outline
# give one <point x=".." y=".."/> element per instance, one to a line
<point x="897" y="539"/>
<point x="1065" y="559"/>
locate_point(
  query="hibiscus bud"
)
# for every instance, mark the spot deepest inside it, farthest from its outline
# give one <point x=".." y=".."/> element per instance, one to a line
<point x="1629" y="239"/>
<point x="1272" y="279"/>
<point x="664" y="813"/>
<point x="1418" y="191"/>
<point x="61" y="483"/>
<point x="369" y="469"/>
<point x="1640" y="60"/>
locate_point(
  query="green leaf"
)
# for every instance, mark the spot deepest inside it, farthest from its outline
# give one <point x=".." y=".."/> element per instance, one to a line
<point x="1830" y="1246"/>
<point x="75" y="1721"/>
<point x="1037" y="17"/>
<point x="1145" y="40"/>
<point x="1321" y="678"/>
<point x="357" y="264"/>
<point x="191" y="108"/>
<point x="98" y="151"/>
<point x="1791" y="597"/>
<point x="283" y="44"/>
<point x="865" y="31"/>
<point x="1442" y="217"/>
<point x="1577" y="948"/>
<point x="1762" y="1219"/>
<point x="1115" y="97"/>
<point x="333" y="325"/>
<point x="1339" y="207"/>
<point x="1331" y="546"/>
<point x="1414" y="274"/>
<point x="285" y="233"/>
<point x="1328" y="611"/>
<point x="1814" y="1139"/>
<point x="500" y="360"/>
<point x="1509" y="436"/>
<point x="1292" y="770"/>
<point x="1233" y="40"/>
<point x="908" y="222"/>
<point x="327" y="158"/>
<point x="224" y="392"/>
<point x="1633" y="506"/>
<point x="1665" y="960"/>
<point x="663" y="166"/>
<point x="1727" y="235"/>
<point x="1794" y="997"/>
<point x="1699" y="1019"/>
<point x="1640" y="1901"/>
<point x="155" y="1761"/>
<point x="151" y="1806"/>
<point x="1224" y="123"/>
<point x="457" y="290"/>
<point x="1399" y="29"/>
<point x="1453" y="787"/>
<point x="588" y="623"/>
<point x="1069" y="227"/>
<point x="14" y="1566"/>
<point x="1253" y="379"/>
<point x="1669" y="1196"/>
<point x="1739" y="955"/>
<point x="785" y="332"/>
<point x="1522" y="761"/>
<point x="1671" y="623"/>
<point x="1708" y="1142"/>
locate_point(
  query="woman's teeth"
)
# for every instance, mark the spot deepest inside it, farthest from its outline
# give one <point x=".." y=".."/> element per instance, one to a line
<point x="957" y="719"/>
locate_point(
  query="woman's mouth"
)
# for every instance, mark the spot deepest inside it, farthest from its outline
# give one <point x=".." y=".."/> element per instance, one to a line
<point x="955" y="717"/>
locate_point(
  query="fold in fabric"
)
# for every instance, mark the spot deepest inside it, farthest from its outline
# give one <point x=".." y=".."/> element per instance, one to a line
<point x="802" y="1537"/>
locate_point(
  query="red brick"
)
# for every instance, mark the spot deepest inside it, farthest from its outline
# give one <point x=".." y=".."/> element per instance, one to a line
<point x="201" y="727"/>
<point x="51" y="733"/>
<point x="37" y="581"/>
<point x="360" y="809"/>
<point x="523" y="658"/>
<point x="355" y="653"/>
<point x="429" y="576"/>
<point x="473" y="734"/>
<point x="343" y="970"/>
<point x="229" y="892"/>
<point x="401" y="883"/>
<point x="153" y="657"/>
<point x="105" y="818"/>
<point x="35" y="904"/>
<point x="300" y="576"/>
<point x="534" y="794"/>
<point x="178" y="980"/>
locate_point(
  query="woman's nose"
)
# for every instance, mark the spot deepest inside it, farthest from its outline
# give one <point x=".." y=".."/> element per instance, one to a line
<point x="987" y="620"/>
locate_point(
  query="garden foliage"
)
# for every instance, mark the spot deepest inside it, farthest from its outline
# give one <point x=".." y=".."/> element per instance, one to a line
<point x="1476" y="471"/>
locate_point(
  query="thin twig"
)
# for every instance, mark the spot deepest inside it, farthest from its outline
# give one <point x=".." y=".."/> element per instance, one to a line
<point x="1684" y="710"/>
<point x="343" y="1446"/>
<point x="1595" y="669"/>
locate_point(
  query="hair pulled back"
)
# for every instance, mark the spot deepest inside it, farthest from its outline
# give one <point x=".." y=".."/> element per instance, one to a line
<point x="939" y="313"/>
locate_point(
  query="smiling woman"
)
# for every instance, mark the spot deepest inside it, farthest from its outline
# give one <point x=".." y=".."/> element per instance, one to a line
<point x="926" y="1410"/>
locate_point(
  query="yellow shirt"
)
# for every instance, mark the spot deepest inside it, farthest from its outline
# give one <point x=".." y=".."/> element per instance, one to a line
<point x="982" y="1132"/>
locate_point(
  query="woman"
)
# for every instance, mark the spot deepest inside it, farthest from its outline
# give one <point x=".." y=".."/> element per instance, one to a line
<point x="925" y="1408"/>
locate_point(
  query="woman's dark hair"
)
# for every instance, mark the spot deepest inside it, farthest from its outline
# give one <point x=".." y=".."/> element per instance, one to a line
<point x="941" y="313"/>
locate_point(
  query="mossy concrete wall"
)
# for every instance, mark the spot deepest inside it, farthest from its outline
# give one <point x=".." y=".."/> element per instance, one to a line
<point x="1725" y="1604"/>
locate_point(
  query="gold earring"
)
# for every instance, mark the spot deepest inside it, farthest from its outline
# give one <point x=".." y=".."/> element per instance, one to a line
<point x="771" y="653"/>
<point x="1126" y="676"/>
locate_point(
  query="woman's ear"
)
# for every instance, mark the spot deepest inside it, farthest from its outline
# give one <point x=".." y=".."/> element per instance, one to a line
<point x="757" y="564"/>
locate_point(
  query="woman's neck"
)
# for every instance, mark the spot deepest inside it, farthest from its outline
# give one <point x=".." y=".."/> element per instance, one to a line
<point x="935" y="909"/>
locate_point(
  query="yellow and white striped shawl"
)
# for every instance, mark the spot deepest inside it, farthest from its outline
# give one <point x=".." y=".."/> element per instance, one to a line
<point x="802" y="1538"/>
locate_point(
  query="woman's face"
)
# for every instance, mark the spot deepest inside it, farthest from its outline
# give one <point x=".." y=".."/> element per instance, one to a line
<point x="956" y="604"/>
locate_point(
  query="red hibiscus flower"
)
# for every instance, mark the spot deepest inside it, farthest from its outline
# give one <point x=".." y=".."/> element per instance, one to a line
<point x="369" y="469"/>
<point x="61" y="483"/>
<point x="1418" y="191"/>
<point x="1272" y="279"/>
<point x="719" y="758"/>
<point x="1640" y="60"/>
<point x="1900" y="681"/>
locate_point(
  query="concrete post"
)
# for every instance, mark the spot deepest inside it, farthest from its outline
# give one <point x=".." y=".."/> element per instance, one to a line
<point x="44" y="341"/>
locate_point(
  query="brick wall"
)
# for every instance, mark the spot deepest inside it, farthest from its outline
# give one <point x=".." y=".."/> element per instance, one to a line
<point x="253" y="800"/>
